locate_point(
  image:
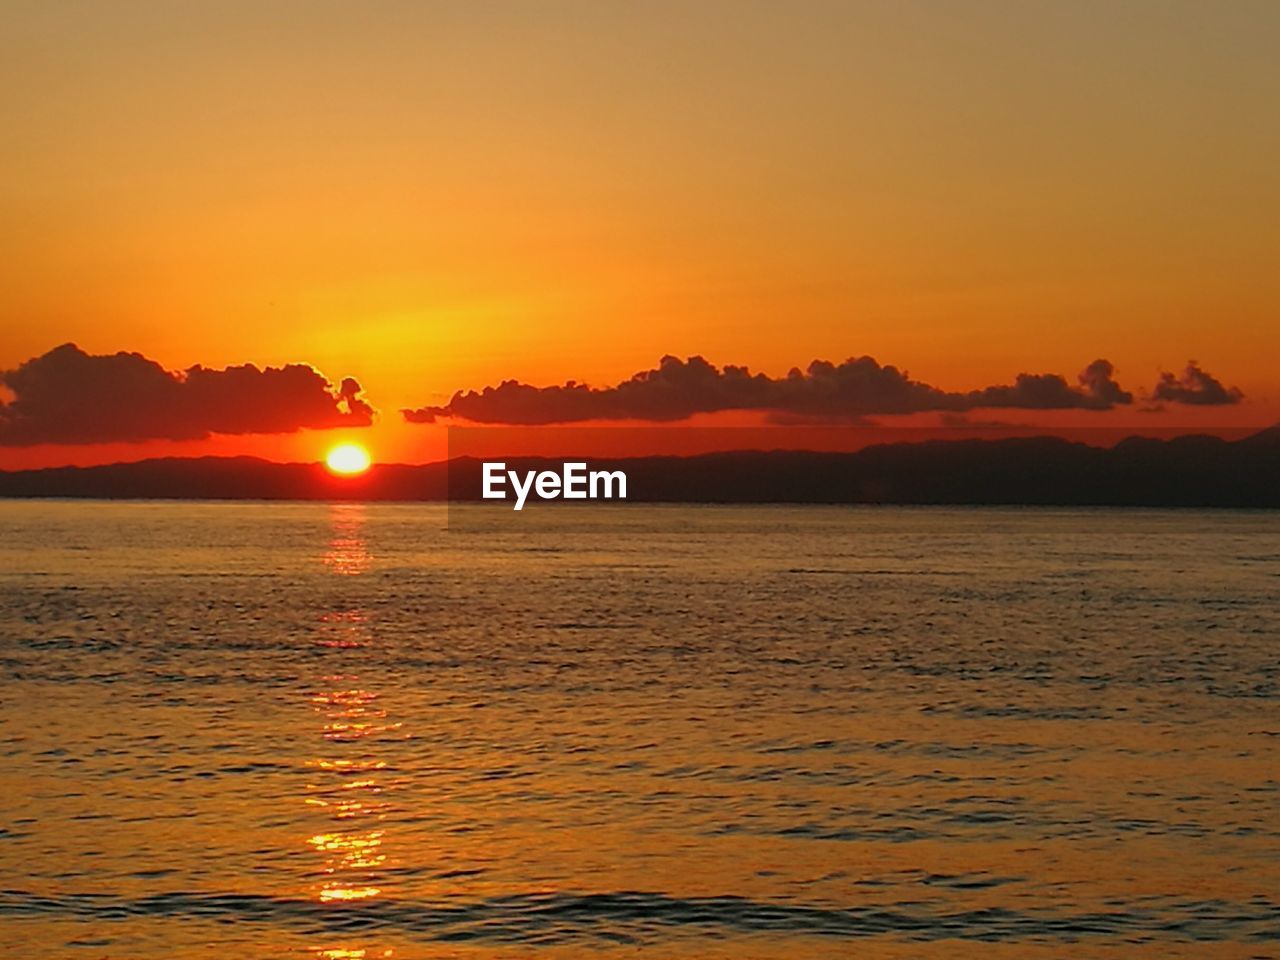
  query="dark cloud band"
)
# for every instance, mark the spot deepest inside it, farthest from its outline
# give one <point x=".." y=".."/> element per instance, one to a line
<point x="69" y="396"/>
<point x="677" y="389"/>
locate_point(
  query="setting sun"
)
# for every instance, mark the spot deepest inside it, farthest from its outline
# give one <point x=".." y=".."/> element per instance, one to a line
<point x="348" y="459"/>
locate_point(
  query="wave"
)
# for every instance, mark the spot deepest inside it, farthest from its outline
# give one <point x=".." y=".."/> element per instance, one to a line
<point x="636" y="917"/>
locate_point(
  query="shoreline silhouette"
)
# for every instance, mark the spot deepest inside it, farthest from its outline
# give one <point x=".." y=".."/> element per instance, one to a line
<point x="1187" y="471"/>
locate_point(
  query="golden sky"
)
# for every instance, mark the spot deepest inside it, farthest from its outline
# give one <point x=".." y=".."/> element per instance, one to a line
<point x="439" y="196"/>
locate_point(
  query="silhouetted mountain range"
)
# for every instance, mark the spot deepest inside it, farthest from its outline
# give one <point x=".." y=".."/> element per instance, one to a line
<point x="1187" y="471"/>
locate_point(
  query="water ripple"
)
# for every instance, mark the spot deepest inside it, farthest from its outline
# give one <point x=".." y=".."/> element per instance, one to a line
<point x="633" y="916"/>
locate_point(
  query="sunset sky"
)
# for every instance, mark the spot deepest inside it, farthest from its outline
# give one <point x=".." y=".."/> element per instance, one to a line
<point x="438" y="197"/>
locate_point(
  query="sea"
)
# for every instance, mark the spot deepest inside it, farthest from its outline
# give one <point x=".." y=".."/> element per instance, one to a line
<point x="313" y="730"/>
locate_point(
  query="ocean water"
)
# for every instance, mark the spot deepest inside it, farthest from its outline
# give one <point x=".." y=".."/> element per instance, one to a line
<point x="240" y="730"/>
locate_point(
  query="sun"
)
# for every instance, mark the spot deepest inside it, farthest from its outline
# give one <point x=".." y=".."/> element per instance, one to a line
<point x="348" y="459"/>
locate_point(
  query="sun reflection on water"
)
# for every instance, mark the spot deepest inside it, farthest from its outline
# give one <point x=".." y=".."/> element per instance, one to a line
<point x="343" y="629"/>
<point x="348" y="783"/>
<point x="347" y="554"/>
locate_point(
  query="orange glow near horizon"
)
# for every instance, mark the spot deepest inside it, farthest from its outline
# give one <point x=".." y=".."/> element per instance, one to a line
<point x="426" y="201"/>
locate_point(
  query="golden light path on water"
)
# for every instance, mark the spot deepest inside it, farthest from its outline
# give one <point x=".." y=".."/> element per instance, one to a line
<point x="348" y="788"/>
<point x="344" y="733"/>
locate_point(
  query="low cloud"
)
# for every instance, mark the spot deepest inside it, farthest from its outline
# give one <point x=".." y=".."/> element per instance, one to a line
<point x="677" y="389"/>
<point x="69" y="396"/>
<point x="1197" y="387"/>
<point x="1095" y="389"/>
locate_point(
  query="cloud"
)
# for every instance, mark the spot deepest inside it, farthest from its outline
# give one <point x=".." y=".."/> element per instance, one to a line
<point x="846" y="391"/>
<point x="69" y="396"/>
<point x="1197" y="387"/>
<point x="1096" y="390"/>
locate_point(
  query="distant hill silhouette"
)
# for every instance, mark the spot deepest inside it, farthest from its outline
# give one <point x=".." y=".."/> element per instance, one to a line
<point x="1189" y="471"/>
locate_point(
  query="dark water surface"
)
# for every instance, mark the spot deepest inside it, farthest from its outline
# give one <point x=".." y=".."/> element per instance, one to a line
<point x="302" y="730"/>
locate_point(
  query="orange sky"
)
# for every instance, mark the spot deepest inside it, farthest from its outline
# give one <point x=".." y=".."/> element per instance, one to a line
<point x="433" y="197"/>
